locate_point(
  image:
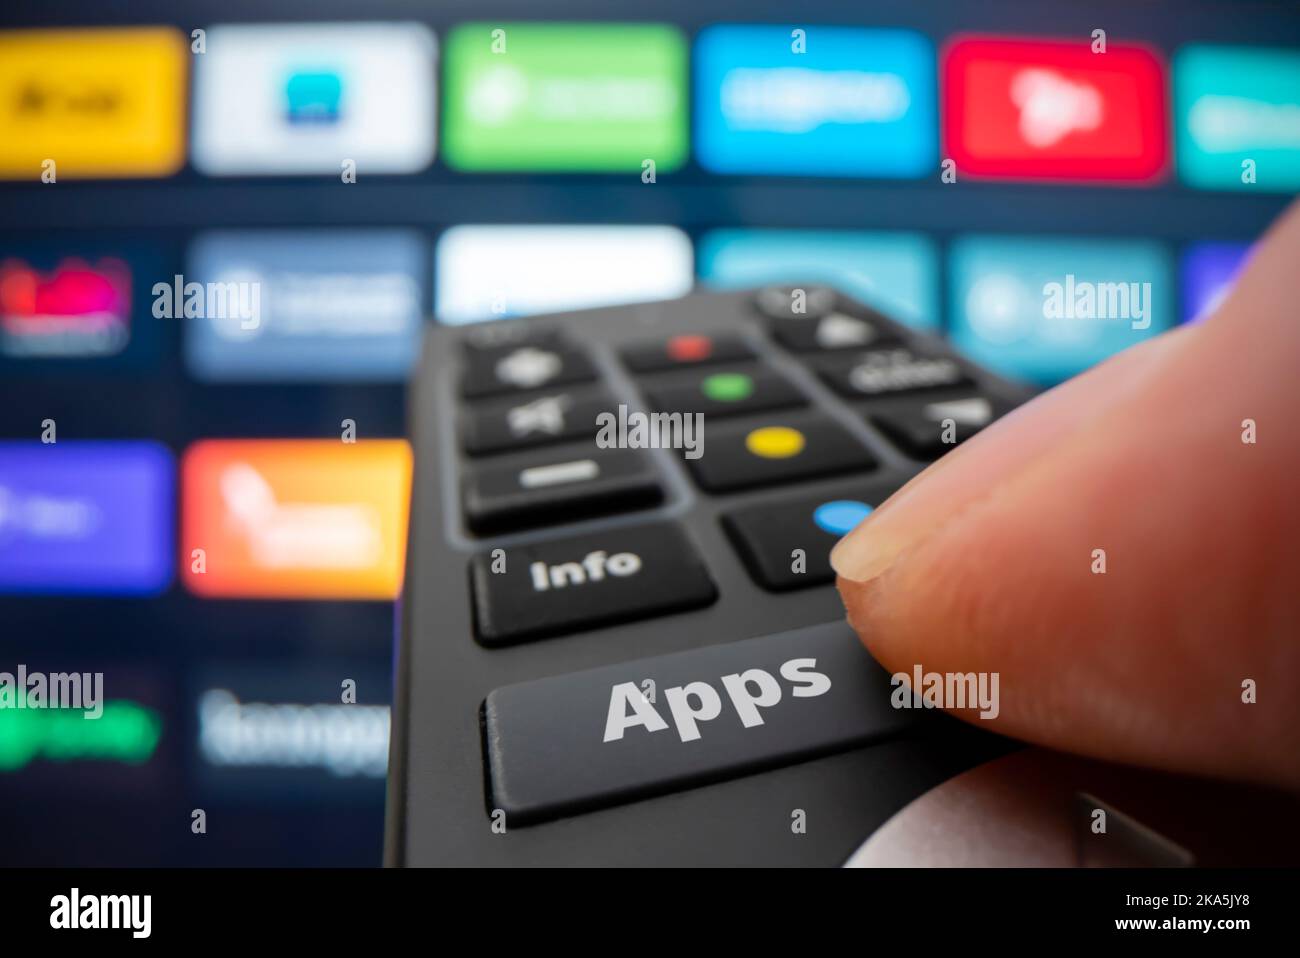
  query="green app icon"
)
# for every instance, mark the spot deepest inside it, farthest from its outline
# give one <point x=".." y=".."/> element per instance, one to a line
<point x="565" y="97"/>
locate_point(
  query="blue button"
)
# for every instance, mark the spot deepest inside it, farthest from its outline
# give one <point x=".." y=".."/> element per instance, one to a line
<point x="821" y="101"/>
<point x="1043" y="309"/>
<point x="840" y="516"/>
<point x="897" y="273"/>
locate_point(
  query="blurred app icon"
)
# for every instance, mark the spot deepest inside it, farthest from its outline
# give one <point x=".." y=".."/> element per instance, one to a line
<point x="70" y="305"/>
<point x="295" y="518"/>
<point x="897" y="273"/>
<point x="324" y="306"/>
<point x="1238" y="117"/>
<point x="825" y="101"/>
<point x="309" y="732"/>
<point x="86" y="517"/>
<point x="93" y="103"/>
<point x="1042" y="309"/>
<point x="127" y="732"/>
<point x="1042" y="109"/>
<point x="305" y="98"/>
<point x="494" y="272"/>
<point x="76" y="309"/>
<point x="313" y="97"/>
<point x="565" y="97"/>
<point x="1209" y="270"/>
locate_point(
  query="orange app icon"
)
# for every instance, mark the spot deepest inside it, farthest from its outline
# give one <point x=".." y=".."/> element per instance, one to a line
<point x="295" y="519"/>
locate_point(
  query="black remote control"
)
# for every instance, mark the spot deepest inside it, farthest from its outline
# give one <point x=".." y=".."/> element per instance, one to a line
<point x="620" y="640"/>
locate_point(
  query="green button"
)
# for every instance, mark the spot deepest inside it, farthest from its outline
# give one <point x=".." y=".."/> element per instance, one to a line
<point x="728" y="387"/>
<point x="565" y="96"/>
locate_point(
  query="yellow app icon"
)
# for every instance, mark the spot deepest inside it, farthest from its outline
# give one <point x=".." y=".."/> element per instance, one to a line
<point x="92" y="103"/>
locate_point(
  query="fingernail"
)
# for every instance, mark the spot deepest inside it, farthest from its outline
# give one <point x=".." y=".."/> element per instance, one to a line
<point x="976" y="468"/>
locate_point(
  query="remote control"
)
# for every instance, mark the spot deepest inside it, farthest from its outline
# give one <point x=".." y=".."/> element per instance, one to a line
<point x="620" y="641"/>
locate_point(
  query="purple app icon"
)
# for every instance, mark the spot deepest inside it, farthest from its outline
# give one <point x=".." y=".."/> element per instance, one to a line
<point x="86" y="517"/>
<point x="1208" y="272"/>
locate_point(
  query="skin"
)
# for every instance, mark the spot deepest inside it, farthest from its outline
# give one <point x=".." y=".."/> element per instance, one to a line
<point x="984" y="561"/>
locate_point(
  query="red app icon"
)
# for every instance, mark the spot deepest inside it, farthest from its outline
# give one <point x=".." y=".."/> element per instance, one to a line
<point x="1042" y="109"/>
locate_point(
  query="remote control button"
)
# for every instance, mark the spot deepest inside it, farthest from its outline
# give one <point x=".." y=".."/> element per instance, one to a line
<point x="725" y="392"/>
<point x="887" y="372"/>
<point x="495" y="337"/>
<point x="795" y="302"/>
<point x="536" y="420"/>
<point x="618" y="733"/>
<point x="833" y="331"/>
<point x="576" y="583"/>
<point x="781" y="448"/>
<point x="688" y="349"/>
<point x="766" y="535"/>
<point x="562" y="488"/>
<point x="521" y="368"/>
<point x="926" y="430"/>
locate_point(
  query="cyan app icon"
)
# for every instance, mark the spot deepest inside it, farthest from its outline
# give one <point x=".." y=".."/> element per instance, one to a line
<point x="818" y="101"/>
<point x="1042" y="309"/>
<point x="344" y="305"/>
<point x="897" y="273"/>
<point x="313" y="96"/>
<point x="1238" y="117"/>
<point x="86" y="517"/>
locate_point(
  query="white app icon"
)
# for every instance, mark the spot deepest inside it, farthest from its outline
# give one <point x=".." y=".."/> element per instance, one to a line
<point x="1052" y="107"/>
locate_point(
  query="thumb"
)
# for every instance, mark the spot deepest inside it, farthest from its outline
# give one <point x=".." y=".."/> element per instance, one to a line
<point x="986" y="561"/>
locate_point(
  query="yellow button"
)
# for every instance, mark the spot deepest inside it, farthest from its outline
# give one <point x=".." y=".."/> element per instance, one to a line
<point x="101" y="103"/>
<point x="775" y="442"/>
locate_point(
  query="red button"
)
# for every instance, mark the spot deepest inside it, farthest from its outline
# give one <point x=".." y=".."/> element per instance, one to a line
<point x="690" y="349"/>
<point x="1035" y="109"/>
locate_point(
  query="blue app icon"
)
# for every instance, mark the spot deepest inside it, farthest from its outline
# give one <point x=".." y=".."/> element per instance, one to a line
<point x="1042" y="309"/>
<point x="313" y="96"/>
<point x="1208" y="273"/>
<point x="86" y="517"/>
<point x="817" y="101"/>
<point x="303" y="306"/>
<point x="897" y="273"/>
